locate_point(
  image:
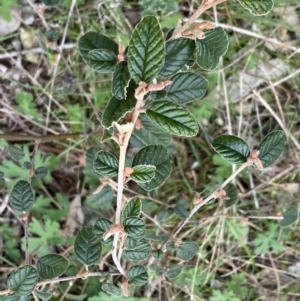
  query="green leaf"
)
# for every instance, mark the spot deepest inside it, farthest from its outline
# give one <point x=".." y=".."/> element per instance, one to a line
<point x="91" y="155"/>
<point x="130" y="243"/>
<point x="211" y="48"/>
<point x="172" y="118"/>
<point x="100" y="227"/>
<point x="134" y="227"/>
<point x="158" y="254"/>
<point x="180" y="211"/>
<point x="186" y="87"/>
<point x="174" y="271"/>
<point x="146" y="50"/>
<point x="1" y="175"/>
<point x="94" y="40"/>
<point x="15" y="152"/>
<point x="140" y="252"/>
<point x="271" y="148"/>
<point x="51" y="2"/>
<point x="44" y="295"/>
<point x="103" y="199"/>
<point x="15" y="297"/>
<point x="257" y="7"/>
<point x="170" y="246"/>
<point x="102" y="60"/>
<point x="232" y="193"/>
<point x="232" y="148"/>
<point x="149" y="134"/>
<point x="143" y="173"/>
<point x="51" y="266"/>
<point x="27" y="165"/>
<point x="120" y="82"/>
<point x="21" y="197"/>
<point x="156" y="155"/>
<point x="2" y="184"/>
<point x="41" y="172"/>
<point x="106" y="164"/>
<point x="138" y="275"/>
<point x="291" y="215"/>
<point x="132" y="209"/>
<point x="87" y="247"/>
<point x="23" y="280"/>
<point x="178" y="53"/>
<point x="112" y="289"/>
<point x="187" y="250"/>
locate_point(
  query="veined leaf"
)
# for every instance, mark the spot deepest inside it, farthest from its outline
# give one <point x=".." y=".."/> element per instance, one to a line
<point x="172" y="118"/>
<point x="15" y="152"/>
<point x="15" y="297"/>
<point x="156" y="155"/>
<point x="134" y="227"/>
<point x="257" y="7"/>
<point x="120" y="80"/>
<point x="232" y="148"/>
<point x="290" y="216"/>
<point x="178" y="53"/>
<point x="106" y="164"/>
<point x="102" y="60"/>
<point x="232" y="193"/>
<point x="187" y="250"/>
<point x="143" y="173"/>
<point x="100" y="227"/>
<point x="43" y="295"/>
<point x="146" y="50"/>
<point x="112" y="289"/>
<point x="21" y="197"/>
<point x="186" y="87"/>
<point x="271" y="148"/>
<point x="41" y="172"/>
<point x="140" y="252"/>
<point x="132" y="209"/>
<point x="51" y="266"/>
<point x="138" y="275"/>
<point x="174" y="271"/>
<point x="130" y="243"/>
<point x="210" y="49"/>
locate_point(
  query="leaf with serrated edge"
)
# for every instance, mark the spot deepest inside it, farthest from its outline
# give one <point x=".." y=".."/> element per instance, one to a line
<point x="140" y="252"/>
<point x="130" y="243"/>
<point x="138" y="275"/>
<point x="257" y="7"/>
<point x="187" y="250"/>
<point x="290" y="216"/>
<point x="143" y="173"/>
<point x="23" y="280"/>
<point x="156" y="155"/>
<point x="210" y="49"/>
<point x="174" y="271"/>
<point x="132" y="208"/>
<point x="231" y="148"/>
<point x="271" y="148"/>
<point x="106" y="164"/>
<point x="134" y="227"/>
<point x="102" y="60"/>
<point x="112" y="289"/>
<point x="146" y="50"/>
<point x="87" y="247"/>
<point x="186" y="87"/>
<point x="120" y="82"/>
<point x="100" y="227"/>
<point x="178" y="53"/>
<point x="172" y="118"/>
<point x="51" y="266"/>
<point x="21" y="197"/>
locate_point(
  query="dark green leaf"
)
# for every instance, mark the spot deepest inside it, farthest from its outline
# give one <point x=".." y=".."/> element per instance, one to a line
<point x="200" y="189"/>
<point x="158" y="254"/>
<point x="186" y="87"/>
<point x="106" y="164"/>
<point x="143" y="173"/>
<point x="44" y="295"/>
<point x="130" y="243"/>
<point x="2" y="184"/>
<point x="21" y="197"/>
<point x="1" y="175"/>
<point x="290" y="216"/>
<point x="210" y="49"/>
<point x="232" y="193"/>
<point x="100" y="227"/>
<point x="232" y="148"/>
<point x="180" y="211"/>
<point x="140" y="252"/>
<point x="87" y="247"/>
<point x="102" y="60"/>
<point x="187" y="250"/>
<point x="91" y="155"/>
<point x="51" y="2"/>
<point x="120" y="80"/>
<point x="23" y="280"/>
<point x="103" y="199"/>
<point x="134" y="227"/>
<point x="258" y="7"/>
<point x="170" y="246"/>
<point x="271" y="148"/>
<point x="146" y="50"/>
<point x="15" y="152"/>
<point x="156" y="155"/>
<point x="41" y="172"/>
<point x="111" y="289"/>
<point x="178" y="53"/>
<point x="138" y="275"/>
<point x="132" y="209"/>
<point x="27" y="165"/>
<point x="94" y="40"/>
<point x="149" y="134"/>
<point x="15" y="297"/>
<point x="172" y="118"/>
<point x="51" y="266"/>
<point x="174" y="271"/>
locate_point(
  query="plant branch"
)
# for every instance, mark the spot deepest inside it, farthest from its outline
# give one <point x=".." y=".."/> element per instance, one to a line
<point x="204" y="7"/>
